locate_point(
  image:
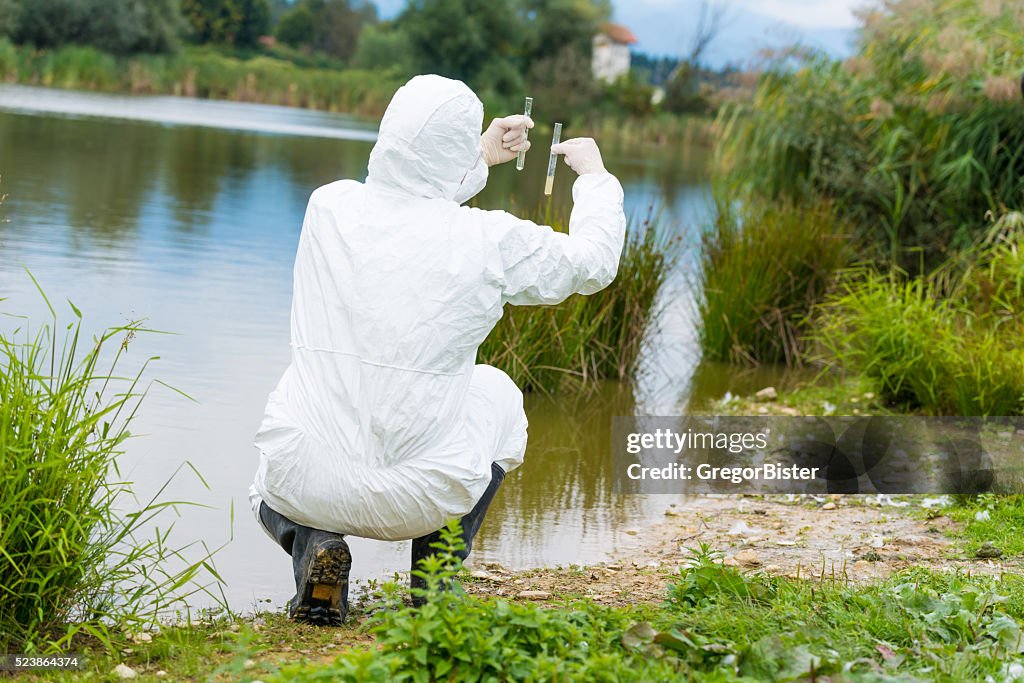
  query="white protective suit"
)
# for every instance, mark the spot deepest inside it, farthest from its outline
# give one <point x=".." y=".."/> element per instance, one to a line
<point x="383" y="426"/>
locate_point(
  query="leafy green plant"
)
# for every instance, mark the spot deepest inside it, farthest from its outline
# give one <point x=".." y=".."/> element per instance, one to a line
<point x="72" y="561"/>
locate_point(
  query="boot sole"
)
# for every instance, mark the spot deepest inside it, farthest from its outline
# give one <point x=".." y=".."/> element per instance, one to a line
<point x="328" y="575"/>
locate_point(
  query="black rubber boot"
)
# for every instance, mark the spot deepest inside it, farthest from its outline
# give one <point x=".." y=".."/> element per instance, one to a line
<point x="421" y="547"/>
<point x="321" y="562"/>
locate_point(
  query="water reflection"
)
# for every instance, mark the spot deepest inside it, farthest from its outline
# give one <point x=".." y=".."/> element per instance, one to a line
<point x="195" y="228"/>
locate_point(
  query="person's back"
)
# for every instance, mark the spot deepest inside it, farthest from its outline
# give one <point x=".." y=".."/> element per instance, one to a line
<point x="383" y="426"/>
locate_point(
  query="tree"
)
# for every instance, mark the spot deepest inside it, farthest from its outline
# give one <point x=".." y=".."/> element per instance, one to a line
<point x="119" y="26"/>
<point x="557" y="24"/>
<point x="237" y="23"/>
<point x="8" y="17"/>
<point x="338" y="23"/>
<point x="295" y="27"/>
<point x="460" y="38"/>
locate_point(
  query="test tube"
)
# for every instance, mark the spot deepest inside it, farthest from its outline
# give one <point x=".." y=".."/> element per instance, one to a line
<point x="521" y="157"/>
<point x="553" y="161"/>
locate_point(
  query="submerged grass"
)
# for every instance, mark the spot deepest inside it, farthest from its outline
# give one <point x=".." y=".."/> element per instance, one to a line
<point x="72" y="562"/>
<point x="586" y="339"/>
<point x="763" y="267"/>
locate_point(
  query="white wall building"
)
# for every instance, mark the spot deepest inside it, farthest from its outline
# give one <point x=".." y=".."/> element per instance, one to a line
<point x="611" y="52"/>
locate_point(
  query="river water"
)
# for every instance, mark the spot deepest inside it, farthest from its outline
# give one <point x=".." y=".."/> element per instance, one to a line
<point x="187" y="213"/>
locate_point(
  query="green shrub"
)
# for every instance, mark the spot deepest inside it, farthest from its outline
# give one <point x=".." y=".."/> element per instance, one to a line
<point x="949" y="343"/>
<point x="915" y="137"/>
<point x="763" y="266"/>
<point x="586" y="339"/>
<point x="71" y="560"/>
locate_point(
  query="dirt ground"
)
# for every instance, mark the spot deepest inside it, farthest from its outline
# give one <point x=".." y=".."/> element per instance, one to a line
<point x="851" y="538"/>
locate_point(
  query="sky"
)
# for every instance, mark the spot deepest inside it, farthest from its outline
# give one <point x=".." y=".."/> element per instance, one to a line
<point x="665" y="27"/>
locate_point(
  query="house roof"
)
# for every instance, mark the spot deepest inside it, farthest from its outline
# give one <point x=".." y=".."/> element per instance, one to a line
<point x="618" y="33"/>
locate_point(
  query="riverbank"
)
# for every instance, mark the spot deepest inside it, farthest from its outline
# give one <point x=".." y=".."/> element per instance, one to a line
<point x="208" y="73"/>
<point x="845" y="557"/>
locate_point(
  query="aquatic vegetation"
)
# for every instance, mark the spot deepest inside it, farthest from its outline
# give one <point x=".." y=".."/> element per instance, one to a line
<point x="586" y="339"/>
<point x="73" y="559"/>
<point x="916" y="137"/>
<point x="763" y="267"/>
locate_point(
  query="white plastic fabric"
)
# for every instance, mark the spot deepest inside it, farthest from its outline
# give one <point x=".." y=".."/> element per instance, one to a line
<point x="383" y="426"/>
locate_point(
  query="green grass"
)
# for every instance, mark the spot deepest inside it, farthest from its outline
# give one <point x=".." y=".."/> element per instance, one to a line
<point x="914" y="138"/>
<point x="73" y="561"/>
<point x="947" y="344"/>
<point x="990" y="518"/>
<point x="763" y="266"/>
<point x="586" y="339"/>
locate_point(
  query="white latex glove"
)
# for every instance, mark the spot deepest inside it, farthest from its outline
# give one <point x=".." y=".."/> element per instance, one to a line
<point x="505" y="138"/>
<point x="581" y="155"/>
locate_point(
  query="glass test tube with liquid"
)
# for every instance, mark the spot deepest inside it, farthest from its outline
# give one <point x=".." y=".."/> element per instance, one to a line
<point x="553" y="161"/>
<point x="521" y="157"/>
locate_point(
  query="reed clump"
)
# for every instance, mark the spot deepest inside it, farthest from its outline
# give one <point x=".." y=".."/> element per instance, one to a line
<point x="77" y="558"/>
<point x="764" y="265"/>
<point x="915" y="137"/>
<point x="586" y="339"/>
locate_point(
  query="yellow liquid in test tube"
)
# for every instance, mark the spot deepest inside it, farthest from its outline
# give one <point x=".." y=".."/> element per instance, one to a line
<point x="549" y="184"/>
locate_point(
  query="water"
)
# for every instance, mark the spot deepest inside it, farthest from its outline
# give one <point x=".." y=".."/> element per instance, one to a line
<point x="131" y="209"/>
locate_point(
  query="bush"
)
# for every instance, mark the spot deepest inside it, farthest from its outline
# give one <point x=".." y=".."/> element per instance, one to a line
<point x="585" y="339"/>
<point x="118" y="26"/>
<point x="763" y="267"/>
<point x="70" y="561"/>
<point x="915" y="137"/>
<point x="949" y="343"/>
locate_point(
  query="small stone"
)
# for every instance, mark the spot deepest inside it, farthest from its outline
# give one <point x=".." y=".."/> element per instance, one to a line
<point x="829" y="506"/>
<point x="248" y="664"/>
<point x="534" y="595"/>
<point x="785" y="543"/>
<point x="234" y="627"/>
<point x="614" y="567"/>
<point x="987" y="551"/>
<point x="632" y="532"/>
<point x="869" y="395"/>
<point x="767" y="394"/>
<point x="494" y="566"/>
<point x="761" y="410"/>
<point x="161" y="673"/>
<point x="772" y="568"/>
<point x="124" y="671"/>
<point x="747" y="558"/>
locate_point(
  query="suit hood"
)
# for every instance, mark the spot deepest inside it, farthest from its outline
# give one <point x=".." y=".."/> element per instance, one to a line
<point x="429" y="139"/>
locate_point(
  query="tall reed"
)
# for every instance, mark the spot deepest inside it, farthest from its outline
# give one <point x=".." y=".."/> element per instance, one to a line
<point x="915" y="137"/>
<point x="586" y="339"/>
<point x="72" y="561"/>
<point x="763" y="266"/>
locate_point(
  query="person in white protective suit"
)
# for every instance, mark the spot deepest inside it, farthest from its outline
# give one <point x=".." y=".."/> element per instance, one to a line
<point x="383" y="425"/>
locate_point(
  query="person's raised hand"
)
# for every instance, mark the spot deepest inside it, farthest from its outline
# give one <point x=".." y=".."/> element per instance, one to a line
<point x="581" y="154"/>
<point x="505" y="138"/>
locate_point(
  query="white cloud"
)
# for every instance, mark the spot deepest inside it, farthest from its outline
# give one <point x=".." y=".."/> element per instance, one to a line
<point x="807" y="13"/>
